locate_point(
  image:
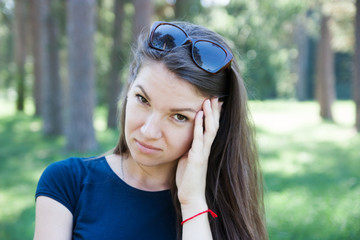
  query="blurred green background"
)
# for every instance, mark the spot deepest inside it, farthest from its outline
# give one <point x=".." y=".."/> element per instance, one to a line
<point x="310" y="162"/>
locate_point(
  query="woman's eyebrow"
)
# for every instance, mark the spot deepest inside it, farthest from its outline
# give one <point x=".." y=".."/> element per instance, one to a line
<point x="143" y="90"/>
<point x="172" y="109"/>
<point x="183" y="110"/>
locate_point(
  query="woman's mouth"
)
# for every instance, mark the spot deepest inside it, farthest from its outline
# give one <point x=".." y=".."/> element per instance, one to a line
<point x="146" y="148"/>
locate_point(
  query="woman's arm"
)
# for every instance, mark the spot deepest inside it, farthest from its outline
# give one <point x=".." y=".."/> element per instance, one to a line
<point x="198" y="227"/>
<point x="192" y="170"/>
<point x="52" y="221"/>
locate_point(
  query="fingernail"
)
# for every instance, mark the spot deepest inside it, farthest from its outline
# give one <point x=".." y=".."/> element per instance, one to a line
<point x="201" y="113"/>
<point x="207" y="102"/>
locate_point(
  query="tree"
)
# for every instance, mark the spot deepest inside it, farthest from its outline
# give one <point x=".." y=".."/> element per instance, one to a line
<point x="79" y="128"/>
<point x="357" y="65"/>
<point x="6" y="46"/>
<point x="144" y="10"/>
<point x="325" y="89"/>
<point x="20" y="51"/>
<point x="117" y="64"/>
<point x="47" y="58"/>
<point x="302" y="40"/>
<point x="36" y="50"/>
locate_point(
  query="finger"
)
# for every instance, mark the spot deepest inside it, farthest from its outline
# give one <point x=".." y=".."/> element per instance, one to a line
<point x="211" y="124"/>
<point x="216" y="105"/>
<point x="216" y="111"/>
<point x="221" y="105"/>
<point x="198" y="131"/>
<point x="208" y="114"/>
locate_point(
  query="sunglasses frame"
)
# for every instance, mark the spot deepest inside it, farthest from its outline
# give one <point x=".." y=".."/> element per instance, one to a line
<point x="193" y="41"/>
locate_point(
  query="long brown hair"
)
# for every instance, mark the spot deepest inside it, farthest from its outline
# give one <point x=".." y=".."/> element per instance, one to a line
<point x="234" y="183"/>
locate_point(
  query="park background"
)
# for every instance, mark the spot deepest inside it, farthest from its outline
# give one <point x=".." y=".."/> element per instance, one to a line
<point x="62" y="65"/>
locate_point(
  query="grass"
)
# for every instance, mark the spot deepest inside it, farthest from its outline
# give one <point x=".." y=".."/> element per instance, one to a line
<point x="24" y="153"/>
<point x="311" y="169"/>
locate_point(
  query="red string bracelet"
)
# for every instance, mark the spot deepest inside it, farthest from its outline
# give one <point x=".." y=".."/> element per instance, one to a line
<point x="209" y="210"/>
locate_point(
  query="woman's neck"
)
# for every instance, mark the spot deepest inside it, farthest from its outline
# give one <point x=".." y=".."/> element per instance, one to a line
<point x="147" y="178"/>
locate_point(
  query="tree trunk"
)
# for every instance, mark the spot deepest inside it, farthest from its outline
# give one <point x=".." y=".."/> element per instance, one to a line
<point x="117" y="64"/>
<point x="8" y="52"/>
<point x="48" y="66"/>
<point x="144" y="10"/>
<point x="302" y="61"/>
<point x="325" y="89"/>
<point x="52" y="105"/>
<point x="20" y="51"/>
<point x="357" y="66"/>
<point x="80" y="133"/>
<point x="36" y="47"/>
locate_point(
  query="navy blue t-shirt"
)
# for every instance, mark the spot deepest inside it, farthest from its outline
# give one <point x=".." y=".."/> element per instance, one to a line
<point x="105" y="207"/>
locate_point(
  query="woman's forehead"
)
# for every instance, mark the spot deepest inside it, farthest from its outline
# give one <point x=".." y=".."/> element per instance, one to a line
<point x="155" y="75"/>
<point x="158" y="83"/>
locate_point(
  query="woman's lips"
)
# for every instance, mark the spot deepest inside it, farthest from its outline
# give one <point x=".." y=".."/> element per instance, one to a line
<point x="146" y="148"/>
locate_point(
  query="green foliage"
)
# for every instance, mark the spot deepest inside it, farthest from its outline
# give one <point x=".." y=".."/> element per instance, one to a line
<point x="104" y="43"/>
<point x="342" y="24"/>
<point x="261" y="32"/>
<point x="310" y="167"/>
<point x="343" y="75"/>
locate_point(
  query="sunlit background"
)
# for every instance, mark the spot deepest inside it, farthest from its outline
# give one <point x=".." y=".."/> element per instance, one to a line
<point x="296" y="57"/>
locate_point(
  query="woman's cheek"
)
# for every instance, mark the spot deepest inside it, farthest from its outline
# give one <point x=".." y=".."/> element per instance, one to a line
<point x="134" y="115"/>
<point x="185" y="137"/>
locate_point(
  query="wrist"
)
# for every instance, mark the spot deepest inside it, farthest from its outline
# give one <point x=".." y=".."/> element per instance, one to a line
<point x="214" y="215"/>
<point x="189" y="209"/>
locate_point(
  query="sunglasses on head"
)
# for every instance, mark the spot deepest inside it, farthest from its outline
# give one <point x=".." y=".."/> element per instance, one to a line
<point x="206" y="54"/>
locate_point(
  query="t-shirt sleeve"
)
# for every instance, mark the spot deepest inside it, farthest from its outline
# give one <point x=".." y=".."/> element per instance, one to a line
<point x="60" y="181"/>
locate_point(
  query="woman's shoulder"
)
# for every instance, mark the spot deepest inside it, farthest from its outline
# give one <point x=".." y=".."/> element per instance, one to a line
<point x="74" y="169"/>
<point x="81" y="170"/>
<point x="76" y="164"/>
<point x="64" y="180"/>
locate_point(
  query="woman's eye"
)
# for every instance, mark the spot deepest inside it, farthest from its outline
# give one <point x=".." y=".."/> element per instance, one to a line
<point x="180" y="118"/>
<point x="141" y="99"/>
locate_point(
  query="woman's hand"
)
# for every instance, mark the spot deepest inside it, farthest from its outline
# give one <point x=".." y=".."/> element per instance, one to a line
<point x="192" y="167"/>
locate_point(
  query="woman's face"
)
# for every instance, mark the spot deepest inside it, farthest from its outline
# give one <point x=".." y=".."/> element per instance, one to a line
<point x="160" y="114"/>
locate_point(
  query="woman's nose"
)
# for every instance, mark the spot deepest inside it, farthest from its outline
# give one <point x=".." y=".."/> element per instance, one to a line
<point x="151" y="129"/>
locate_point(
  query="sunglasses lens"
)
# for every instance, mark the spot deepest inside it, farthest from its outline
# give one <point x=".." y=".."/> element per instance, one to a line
<point x="209" y="56"/>
<point x="166" y="37"/>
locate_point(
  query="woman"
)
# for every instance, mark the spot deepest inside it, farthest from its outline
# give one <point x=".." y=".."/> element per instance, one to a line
<point x="186" y="149"/>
